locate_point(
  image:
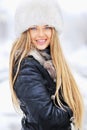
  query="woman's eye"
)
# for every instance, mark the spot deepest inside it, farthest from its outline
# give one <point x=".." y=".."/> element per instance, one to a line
<point x="34" y="28"/>
<point x="47" y="28"/>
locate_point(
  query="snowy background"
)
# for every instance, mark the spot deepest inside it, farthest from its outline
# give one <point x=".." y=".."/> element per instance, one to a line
<point x="73" y="42"/>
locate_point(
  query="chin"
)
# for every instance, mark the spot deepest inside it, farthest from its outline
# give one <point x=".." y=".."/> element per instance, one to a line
<point x="41" y="47"/>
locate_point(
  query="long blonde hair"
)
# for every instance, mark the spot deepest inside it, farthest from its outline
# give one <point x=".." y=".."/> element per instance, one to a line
<point x="70" y="92"/>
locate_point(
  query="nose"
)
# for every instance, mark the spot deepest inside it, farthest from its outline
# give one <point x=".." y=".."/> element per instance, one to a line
<point x="41" y="32"/>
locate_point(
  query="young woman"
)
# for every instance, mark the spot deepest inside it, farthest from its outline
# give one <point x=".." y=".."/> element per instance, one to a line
<point x="41" y="82"/>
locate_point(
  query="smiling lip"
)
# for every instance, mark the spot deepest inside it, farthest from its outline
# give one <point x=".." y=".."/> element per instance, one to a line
<point x="41" y="41"/>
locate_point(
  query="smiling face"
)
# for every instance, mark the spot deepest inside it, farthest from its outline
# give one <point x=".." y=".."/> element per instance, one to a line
<point x="40" y="36"/>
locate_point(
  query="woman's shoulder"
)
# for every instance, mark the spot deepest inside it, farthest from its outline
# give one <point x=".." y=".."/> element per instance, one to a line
<point x="29" y="60"/>
<point x="32" y="64"/>
<point x="26" y="62"/>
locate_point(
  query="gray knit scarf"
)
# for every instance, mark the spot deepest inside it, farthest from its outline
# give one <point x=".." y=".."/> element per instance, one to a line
<point x="45" y="60"/>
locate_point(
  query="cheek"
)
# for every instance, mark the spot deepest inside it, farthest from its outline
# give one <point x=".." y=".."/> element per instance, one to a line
<point x="49" y="34"/>
<point x="32" y="35"/>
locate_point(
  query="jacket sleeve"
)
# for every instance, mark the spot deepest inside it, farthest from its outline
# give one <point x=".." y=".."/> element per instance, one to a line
<point x="30" y="88"/>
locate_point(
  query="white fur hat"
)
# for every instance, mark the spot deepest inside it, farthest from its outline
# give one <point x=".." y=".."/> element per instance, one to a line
<point x="37" y="12"/>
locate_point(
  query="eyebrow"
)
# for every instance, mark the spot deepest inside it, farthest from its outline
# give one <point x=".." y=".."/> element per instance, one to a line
<point x="37" y="26"/>
<point x="46" y="25"/>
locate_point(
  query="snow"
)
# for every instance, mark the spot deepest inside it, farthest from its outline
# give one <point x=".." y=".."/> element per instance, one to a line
<point x="9" y="119"/>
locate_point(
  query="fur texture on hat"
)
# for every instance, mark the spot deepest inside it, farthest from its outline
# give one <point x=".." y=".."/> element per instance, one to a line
<point x="37" y="12"/>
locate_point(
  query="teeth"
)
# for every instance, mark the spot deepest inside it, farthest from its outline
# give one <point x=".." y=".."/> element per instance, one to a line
<point x="41" y="40"/>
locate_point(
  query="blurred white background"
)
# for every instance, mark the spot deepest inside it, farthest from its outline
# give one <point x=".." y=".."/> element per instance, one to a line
<point x="73" y="42"/>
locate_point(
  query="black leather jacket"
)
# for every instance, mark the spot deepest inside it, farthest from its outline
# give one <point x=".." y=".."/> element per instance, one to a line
<point x="34" y="88"/>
